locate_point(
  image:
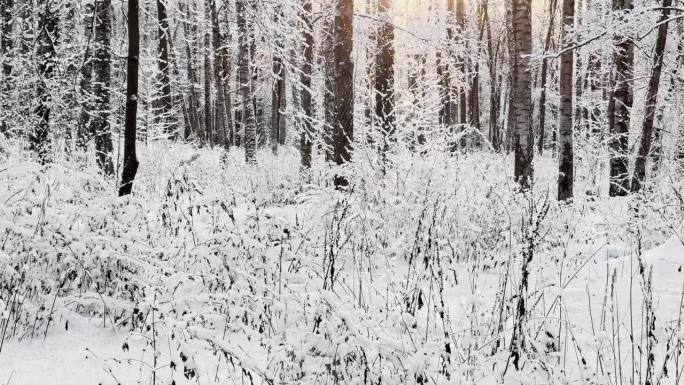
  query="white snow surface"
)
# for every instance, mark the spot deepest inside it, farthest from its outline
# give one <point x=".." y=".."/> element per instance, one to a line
<point x="235" y="275"/>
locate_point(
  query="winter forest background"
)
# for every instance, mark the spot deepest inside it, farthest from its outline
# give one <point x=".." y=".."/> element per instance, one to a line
<point x="341" y="192"/>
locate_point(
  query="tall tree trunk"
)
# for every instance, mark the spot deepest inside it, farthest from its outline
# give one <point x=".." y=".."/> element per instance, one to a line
<point x="371" y="52"/>
<point x="39" y="137"/>
<point x="130" y="167"/>
<point x="677" y="85"/>
<point x="544" y="76"/>
<point x="444" y="83"/>
<point x="462" y="91"/>
<point x="246" y="92"/>
<point x="384" y="77"/>
<point x="619" y="108"/>
<point x="580" y="75"/>
<point x="219" y="109"/>
<point x="163" y="65"/>
<point x="444" y="72"/>
<point x="86" y="103"/>
<point x="258" y="107"/>
<point x="651" y="100"/>
<point x="328" y="48"/>
<point x="416" y="136"/>
<point x="306" y="143"/>
<point x="278" y="97"/>
<point x="6" y="55"/>
<point x="6" y="42"/>
<point x="343" y="119"/>
<point x="475" y="86"/>
<point x="494" y="132"/>
<point x="195" y="122"/>
<point x="566" y="172"/>
<point x="227" y="89"/>
<point x="521" y="90"/>
<point x="209" y="128"/>
<point x="101" y="86"/>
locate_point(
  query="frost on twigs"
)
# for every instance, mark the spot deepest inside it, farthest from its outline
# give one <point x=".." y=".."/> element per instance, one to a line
<point x="215" y="271"/>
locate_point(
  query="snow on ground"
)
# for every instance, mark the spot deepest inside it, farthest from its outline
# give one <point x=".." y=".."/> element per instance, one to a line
<point x="234" y="274"/>
<point x="85" y="353"/>
<point x="66" y="357"/>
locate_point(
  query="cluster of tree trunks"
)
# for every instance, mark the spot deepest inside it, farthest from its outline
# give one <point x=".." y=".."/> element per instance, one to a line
<point x="210" y="115"/>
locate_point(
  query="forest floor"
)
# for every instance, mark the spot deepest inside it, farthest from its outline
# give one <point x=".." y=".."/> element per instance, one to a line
<point x="215" y="272"/>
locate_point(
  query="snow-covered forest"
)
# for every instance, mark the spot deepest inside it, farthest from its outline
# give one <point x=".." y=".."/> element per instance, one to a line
<point x="375" y="192"/>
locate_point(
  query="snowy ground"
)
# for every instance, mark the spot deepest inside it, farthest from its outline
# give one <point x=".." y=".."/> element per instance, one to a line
<point x="217" y="273"/>
<point x="86" y="352"/>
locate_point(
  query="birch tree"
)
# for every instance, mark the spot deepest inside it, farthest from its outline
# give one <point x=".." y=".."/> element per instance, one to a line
<point x="307" y="136"/>
<point x="520" y="46"/>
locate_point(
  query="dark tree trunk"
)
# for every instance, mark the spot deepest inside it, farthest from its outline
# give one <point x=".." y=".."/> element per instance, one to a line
<point x="208" y="117"/>
<point x="371" y="52"/>
<point x="415" y="136"/>
<point x="163" y="64"/>
<point x="619" y="108"/>
<point x="101" y="86"/>
<point x="307" y="69"/>
<point x="258" y="108"/>
<point x="676" y="85"/>
<point x="246" y="93"/>
<point x="544" y="76"/>
<point x="227" y="68"/>
<point x="329" y="97"/>
<point x="384" y="77"/>
<point x="86" y="104"/>
<point x="651" y="100"/>
<point x="343" y="119"/>
<point x="494" y="132"/>
<point x="565" y="128"/>
<point x="39" y="137"/>
<point x="193" y="109"/>
<point x="6" y="55"/>
<point x="462" y="92"/>
<point x="446" y="113"/>
<point x="179" y="96"/>
<point x="219" y="110"/>
<point x="475" y="86"/>
<point x="6" y="43"/>
<point x="521" y="104"/>
<point x="278" y="99"/>
<point x="580" y="112"/>
<point x="130" y="167"/>
<point x="444" y="83"/>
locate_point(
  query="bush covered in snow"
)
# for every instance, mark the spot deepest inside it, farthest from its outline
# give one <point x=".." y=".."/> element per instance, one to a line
<point x="438" y="272"/>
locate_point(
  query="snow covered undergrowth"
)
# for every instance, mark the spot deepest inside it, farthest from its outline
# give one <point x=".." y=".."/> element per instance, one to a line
<point x="215" y="272"/>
